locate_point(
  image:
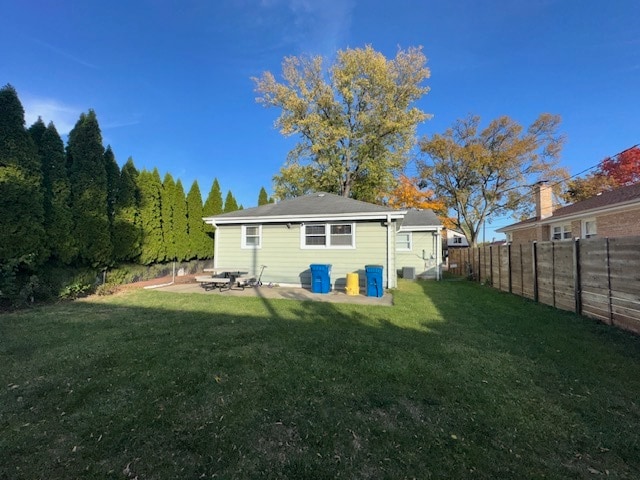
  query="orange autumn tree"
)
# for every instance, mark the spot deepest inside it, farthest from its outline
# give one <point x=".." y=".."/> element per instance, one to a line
<point x="407" y="194"/>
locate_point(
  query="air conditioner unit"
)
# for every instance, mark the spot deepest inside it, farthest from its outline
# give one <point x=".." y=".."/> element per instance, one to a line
<point x="409" y="273"/>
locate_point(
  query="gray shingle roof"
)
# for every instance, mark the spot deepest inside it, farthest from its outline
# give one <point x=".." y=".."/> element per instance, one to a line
<point x="309" y="205"/>
<point x="604" y="199"/>
<point x="420" y="218"/>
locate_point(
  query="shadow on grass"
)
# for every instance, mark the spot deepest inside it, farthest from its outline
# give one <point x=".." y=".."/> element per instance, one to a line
<point x="454" y="381"/>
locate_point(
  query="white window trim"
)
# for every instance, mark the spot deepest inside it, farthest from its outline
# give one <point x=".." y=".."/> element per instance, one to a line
<point x="401" y="249"/>
<point x="563" y="231"/>
<point x="327" y="234"/>
<point x="243" y="239"/>
<point x="583" y="225"/>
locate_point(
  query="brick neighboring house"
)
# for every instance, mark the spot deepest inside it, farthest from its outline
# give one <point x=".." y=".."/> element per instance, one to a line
<point x="615" y="213"/>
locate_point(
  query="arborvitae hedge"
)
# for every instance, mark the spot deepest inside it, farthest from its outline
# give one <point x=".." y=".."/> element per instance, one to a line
<point x="180" y="223"/>
<point x="58" y="221"/>
<point x="22" y="235"/>
<point x="127" y="232"/>
<point x="89" y="192"/>
<point x="152" y="248"/>
<point x="200" y="244"/>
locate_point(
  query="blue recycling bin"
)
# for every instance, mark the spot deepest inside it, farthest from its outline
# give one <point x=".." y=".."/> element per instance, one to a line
<point x="320" y="277"/>
<point x="374" y="280"/>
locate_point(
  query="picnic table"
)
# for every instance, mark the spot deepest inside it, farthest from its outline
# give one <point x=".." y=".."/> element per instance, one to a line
<point x="224" y="278"/>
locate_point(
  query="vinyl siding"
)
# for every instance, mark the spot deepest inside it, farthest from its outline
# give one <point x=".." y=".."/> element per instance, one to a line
<point x="287" y="263"/>
<point x="422" y="255"/>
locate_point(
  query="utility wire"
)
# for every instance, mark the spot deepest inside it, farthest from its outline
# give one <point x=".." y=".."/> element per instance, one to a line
<point x="560" y="181"/>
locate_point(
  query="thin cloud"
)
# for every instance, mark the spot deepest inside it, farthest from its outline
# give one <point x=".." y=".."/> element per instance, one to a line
<point x="120" y="124"/>
<point x="63" y="116"/>
<point x="66" y="54"/>
<point x="316" y="27"/>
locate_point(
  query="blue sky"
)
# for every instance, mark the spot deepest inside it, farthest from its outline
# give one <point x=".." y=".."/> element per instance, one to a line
<point x="171" y="83"/>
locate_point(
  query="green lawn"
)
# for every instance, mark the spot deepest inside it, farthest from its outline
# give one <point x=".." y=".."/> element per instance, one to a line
<point x="455" y="381"/>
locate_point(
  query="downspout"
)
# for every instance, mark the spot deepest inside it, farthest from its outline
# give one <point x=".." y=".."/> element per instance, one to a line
<point x="389" y="259"/>
<point x="215" y="244"/>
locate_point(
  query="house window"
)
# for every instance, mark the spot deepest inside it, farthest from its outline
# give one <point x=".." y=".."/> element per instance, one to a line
<point x="561" y="232"/>
<point x="314" y="235"/>
<point x="251" y="236"/>
<point x="329" y="235"/>
<point x="457" y="240"/>
<point x="403" y="242"/>
<point x="589" y="229"/>
<point x="509" y="236"/>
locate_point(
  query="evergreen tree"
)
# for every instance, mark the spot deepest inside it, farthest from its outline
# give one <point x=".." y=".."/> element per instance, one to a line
<point x="89" y="192"/>
<point x="113" y="180"/>
<point x="168" y="208"/>
<point x="21" y="199"/>
<point x="58" y="221"/>
<point x="127" y="234"/>
<point x="230" y="204"/>
<point x="152" y="246"/>
<point x="200" y="244"/>
<point x="213" y="205"/>
<point x="180" y="223"/>
<point x="263" y="198"/>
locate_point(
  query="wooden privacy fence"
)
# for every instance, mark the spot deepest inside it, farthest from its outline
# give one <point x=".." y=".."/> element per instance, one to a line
<point x="597" y="277"/>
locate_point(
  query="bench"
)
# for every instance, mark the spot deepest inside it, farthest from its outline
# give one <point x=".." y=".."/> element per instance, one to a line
<point x="209" y="282"/>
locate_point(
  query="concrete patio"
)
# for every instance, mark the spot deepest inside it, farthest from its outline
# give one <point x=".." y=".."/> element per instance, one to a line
<point x="287" y="293"/>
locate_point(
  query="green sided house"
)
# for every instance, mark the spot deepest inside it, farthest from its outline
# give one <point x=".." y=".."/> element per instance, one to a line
<point x="322" y="228"/>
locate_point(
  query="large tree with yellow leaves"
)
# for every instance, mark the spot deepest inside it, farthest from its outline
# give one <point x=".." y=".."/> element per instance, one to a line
<point x="356" y="120"/>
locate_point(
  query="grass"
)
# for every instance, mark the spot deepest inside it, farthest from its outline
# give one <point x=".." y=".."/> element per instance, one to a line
<point x="455" y="381"/>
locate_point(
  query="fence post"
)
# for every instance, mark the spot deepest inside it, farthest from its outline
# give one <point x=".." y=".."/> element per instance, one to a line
<point x="491" y="279"/>
<point x="535" y="270"/>
<point x="577" y="293"/>
<point x="499" y="269"/>
<point x="553" y="272"/>
<point x="606" y="240"/>
<point x="521" y="270"/>
<point x="509" y="266"/>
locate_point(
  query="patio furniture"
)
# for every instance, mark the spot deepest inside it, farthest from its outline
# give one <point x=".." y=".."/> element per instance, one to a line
<point x="224" y="279"/>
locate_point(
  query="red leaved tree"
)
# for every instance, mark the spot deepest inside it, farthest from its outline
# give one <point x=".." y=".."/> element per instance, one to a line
<point x="613" y="172"/>
<point x="624" y="168"/>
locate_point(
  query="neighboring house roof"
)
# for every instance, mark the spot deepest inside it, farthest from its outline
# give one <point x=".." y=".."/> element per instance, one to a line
<point x="525" y="223"/>
<point x="600" y="203"/>
<point x="316" y="206"/>
<point x="622" y="195"/>
<point x="416" y="220"/>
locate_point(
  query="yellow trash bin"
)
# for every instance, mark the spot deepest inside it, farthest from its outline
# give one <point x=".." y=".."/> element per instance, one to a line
<point x="353" y="284"/>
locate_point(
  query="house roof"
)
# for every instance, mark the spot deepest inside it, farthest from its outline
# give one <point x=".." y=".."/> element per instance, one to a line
<point x="316" y="206"/>
<point x="420" y="220"/>
<point x="601" y="202"/>
<point x="522" y="224"/>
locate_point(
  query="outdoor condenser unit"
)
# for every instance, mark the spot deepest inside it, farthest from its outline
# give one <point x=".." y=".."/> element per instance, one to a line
<point x="409" y="273"/>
